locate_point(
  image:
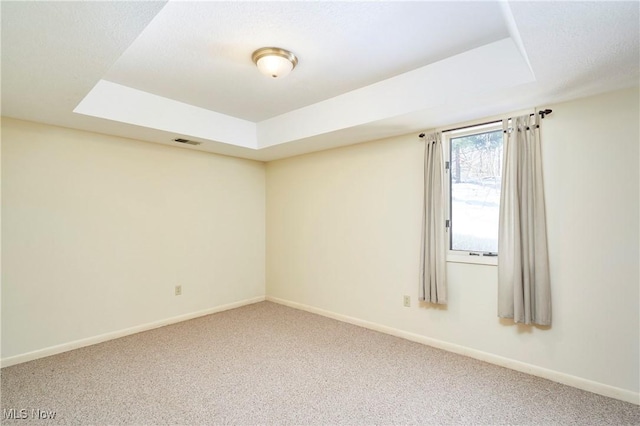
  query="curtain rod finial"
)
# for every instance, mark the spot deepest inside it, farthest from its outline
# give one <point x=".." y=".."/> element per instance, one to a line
<point x="545" y="112"/>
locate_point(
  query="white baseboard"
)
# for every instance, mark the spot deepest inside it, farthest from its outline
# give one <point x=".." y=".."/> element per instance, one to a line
<point x="556" y="376"/>
<point x="53" y="350"/>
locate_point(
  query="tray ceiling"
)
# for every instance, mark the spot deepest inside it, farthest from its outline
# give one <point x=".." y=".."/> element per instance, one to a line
<point x="160" y="70"/>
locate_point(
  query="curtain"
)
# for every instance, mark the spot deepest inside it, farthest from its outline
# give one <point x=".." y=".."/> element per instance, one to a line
<point x="524" y="292"/>
<point x="433" y="285"/>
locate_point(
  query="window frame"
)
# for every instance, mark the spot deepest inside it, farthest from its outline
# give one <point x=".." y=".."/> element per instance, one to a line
<point x="464" y="256"/>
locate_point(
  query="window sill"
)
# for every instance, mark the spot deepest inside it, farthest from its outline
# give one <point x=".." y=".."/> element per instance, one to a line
<point x="477" y="260"/>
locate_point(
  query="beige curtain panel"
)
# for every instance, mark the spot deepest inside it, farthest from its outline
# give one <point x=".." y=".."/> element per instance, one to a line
<point x="433" y="284"/>
<point x="524" y="292"/>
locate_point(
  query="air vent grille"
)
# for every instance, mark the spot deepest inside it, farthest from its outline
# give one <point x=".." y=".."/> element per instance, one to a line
<point x="186" y="141"/>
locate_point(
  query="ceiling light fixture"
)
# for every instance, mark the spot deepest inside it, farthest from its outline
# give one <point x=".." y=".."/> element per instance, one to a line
<point x="274" y="62"/>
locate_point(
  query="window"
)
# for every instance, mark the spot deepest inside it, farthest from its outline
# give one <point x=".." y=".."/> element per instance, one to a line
<point x="474" y="173"/>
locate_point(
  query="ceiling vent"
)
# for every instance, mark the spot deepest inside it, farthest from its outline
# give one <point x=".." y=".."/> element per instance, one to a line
<point x="186" y="141"/>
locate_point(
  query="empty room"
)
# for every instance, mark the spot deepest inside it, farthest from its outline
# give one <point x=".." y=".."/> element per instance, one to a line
<point x="315" y="212"/>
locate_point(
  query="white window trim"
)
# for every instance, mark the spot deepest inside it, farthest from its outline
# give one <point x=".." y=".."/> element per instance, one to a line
<point x="459" y="256"/>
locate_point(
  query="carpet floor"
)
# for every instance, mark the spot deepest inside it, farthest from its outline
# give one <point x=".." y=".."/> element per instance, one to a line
<point x="270" y="364"/>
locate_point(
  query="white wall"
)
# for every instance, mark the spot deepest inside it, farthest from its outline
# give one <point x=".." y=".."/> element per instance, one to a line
<point x="343" y="236"/>
<point x="97" y="231"/>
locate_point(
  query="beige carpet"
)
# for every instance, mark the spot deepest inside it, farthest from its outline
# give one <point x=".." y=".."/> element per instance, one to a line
<point x="269" y="364"/>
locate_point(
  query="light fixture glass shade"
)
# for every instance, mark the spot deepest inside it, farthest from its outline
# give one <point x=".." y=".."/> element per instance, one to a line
<point x="274" y="66"/>
<point x="274" y="62"/>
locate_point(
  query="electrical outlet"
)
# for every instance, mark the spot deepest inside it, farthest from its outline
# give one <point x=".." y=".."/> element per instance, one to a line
<point x="407" y="301"/>
<point x="178" y="290"/>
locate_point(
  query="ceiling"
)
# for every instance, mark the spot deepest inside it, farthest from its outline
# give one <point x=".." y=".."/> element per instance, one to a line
<point x="367" y="70"/>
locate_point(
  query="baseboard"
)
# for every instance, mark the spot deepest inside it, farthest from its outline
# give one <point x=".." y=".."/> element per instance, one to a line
<point x="53" y="350"/>
<point x="556" y="376"/>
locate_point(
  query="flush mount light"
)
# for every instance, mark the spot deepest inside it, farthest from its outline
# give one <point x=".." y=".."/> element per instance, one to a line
<point x="274" y="62"/>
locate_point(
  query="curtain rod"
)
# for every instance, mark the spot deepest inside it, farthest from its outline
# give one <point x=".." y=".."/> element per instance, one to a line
<point x="542" y="115"/>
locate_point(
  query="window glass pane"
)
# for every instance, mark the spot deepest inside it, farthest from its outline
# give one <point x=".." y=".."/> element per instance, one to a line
<point x="475" y="172"/>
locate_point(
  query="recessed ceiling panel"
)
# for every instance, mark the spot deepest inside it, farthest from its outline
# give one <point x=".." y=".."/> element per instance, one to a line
<point x="199" y="53"/>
